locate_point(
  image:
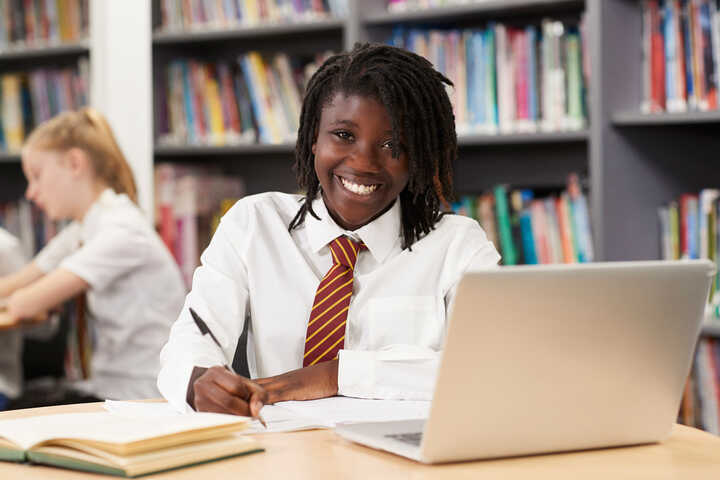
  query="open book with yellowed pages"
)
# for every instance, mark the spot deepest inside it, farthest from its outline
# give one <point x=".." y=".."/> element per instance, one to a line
<point x="109" y="443"/>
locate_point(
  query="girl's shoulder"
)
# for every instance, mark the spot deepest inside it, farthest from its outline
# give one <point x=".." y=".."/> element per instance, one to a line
<point x="265" y="205"/>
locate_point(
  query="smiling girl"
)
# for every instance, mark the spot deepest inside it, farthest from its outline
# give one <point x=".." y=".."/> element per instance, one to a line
<point x="109" y="251"/>
<point x="345" y="289"/>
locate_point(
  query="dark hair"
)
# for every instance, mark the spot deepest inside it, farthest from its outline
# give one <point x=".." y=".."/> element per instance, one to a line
<point x="421" y="116"/>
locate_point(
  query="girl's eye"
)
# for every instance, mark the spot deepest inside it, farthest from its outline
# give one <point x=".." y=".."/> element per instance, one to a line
<point x="388" y="145"/>
<point x="343" y="135"/>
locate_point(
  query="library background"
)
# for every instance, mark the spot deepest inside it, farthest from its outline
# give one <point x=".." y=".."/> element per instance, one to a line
<point x="587" y="130"/>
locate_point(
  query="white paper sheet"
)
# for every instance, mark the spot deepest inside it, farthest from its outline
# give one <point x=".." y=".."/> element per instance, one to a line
<point x="293" y="416"/>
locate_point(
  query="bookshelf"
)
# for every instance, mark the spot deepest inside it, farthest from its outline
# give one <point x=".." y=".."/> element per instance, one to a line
<point x="46" y="52"/>
<point x="488" y="8"/>
<point x="12" y="181"/>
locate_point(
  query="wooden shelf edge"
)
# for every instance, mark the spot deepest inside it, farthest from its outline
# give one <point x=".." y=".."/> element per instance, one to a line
<point x="263" y="30"/>
<point x="472" y="140"/>
<point x="252" y="149"/>
<point x="9" y="157"/>
<point x="711" y="329"/>
<point x="76" y="48"/>
<point x="458" y="11"/>
<point x="630" y="119"/>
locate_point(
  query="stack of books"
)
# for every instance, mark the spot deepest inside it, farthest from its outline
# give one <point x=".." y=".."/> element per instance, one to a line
<point x="681" y="55"/>
<point x="29" y="98"/>
<point x="509" y="79"/>
<point x="184" y="15"/>
<point x="531" y="230"/>
<point x="26" y="24"/>
<point x="189" y="202"/>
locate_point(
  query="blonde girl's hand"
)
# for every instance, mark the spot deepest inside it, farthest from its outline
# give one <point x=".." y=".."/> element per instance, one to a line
<point x="309" y="383"/>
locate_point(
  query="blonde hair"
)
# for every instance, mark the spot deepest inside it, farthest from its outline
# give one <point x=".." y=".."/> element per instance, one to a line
<point x="88" y="130"/>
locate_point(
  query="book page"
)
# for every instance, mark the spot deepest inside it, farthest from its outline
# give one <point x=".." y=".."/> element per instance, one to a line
<point x="106" y="426"/>
<point x="328" y="412"/>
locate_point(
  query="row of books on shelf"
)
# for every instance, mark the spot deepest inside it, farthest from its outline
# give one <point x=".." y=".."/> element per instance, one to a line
<point x="700" y="406"/>
<point x="256" y="98"/>
<point x="189" y="15"/>
<point x="681" y="55"/>
<point x="28" y="224"/>
<point x="189" y="201"/>
<point x="30" y="98"/>
<point x="36" y="23"/>
<point x="530" y="228"/>
<point x="507" y="78"/>
<point x="690" y="229"/>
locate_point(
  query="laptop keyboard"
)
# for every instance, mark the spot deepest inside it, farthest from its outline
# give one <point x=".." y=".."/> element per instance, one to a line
<point x="411" y="438"/>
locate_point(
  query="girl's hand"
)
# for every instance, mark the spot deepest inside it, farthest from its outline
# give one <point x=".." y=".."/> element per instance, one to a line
<point x="309" y="383"/>
<point x="219" y="390"/>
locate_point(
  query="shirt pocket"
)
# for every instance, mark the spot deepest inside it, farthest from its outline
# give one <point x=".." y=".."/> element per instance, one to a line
<point x="405" y="320"/>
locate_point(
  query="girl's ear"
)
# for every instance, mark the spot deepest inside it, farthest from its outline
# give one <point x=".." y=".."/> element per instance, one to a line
<point x="77" y="160"/>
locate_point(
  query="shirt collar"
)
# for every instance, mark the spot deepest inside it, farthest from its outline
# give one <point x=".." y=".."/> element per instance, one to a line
<point x="106" y="197"/>
<point x="380" y="236"/>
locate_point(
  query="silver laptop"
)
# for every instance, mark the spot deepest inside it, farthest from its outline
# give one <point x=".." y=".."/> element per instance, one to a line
<point x="556" y="358"/>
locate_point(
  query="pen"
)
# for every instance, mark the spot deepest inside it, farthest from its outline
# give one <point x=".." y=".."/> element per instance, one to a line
<point x="202" y="326"/>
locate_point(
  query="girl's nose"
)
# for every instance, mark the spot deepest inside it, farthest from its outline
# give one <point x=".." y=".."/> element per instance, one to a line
<point x="367" y="156"/>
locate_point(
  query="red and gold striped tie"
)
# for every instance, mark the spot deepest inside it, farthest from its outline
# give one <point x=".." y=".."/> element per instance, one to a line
<point x="326" y="328"/>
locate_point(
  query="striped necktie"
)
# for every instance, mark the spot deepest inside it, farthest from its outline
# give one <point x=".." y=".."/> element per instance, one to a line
<point x="326" y="327"/>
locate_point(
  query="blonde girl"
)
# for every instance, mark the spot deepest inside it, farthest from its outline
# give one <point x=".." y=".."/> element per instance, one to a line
<point x="109" y="251"/>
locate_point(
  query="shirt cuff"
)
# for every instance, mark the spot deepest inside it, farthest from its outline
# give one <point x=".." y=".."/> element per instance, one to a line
<point x="356" y="373"/>
<point x="174" y="377"/>
<point x="399" y="373"/>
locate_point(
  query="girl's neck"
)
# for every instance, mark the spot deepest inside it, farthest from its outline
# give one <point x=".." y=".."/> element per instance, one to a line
<point x="86" y="198"/>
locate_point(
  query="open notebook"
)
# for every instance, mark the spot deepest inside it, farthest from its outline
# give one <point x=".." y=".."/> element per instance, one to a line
<point x="106" y="442"/>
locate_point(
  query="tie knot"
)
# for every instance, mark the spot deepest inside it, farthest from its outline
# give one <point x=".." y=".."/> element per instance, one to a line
<point x="345" y="251"/>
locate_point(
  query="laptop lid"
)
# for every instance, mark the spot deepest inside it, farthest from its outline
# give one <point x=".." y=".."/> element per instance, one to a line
<point x="565" y="357"/>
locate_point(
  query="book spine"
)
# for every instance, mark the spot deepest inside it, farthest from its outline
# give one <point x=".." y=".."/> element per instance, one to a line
<point x="503" y="219"/>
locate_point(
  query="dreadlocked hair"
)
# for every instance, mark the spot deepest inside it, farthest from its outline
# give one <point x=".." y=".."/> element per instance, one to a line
<point x="421" y="117"/>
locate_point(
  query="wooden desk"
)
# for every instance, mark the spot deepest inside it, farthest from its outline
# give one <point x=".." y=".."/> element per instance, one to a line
<point x="688" y="454"/>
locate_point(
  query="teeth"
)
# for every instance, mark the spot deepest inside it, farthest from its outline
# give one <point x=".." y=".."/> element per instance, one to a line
<point x="359" y="189"/>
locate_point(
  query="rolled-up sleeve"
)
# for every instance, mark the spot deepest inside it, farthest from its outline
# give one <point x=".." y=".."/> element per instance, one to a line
<point x="219" y="296"/>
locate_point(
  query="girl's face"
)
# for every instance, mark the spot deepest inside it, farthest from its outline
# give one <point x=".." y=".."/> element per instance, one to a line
<point x="353" y="160"/>
<point x="50" y="182"/>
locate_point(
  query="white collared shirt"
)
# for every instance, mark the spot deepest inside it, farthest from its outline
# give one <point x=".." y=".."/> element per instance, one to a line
<point x="136" y="292"/>
<point x="255" y="270"/>
<point x="12" y="259"/>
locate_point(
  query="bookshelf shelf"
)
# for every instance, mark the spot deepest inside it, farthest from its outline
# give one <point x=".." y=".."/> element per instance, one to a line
<point x="711" y="330"/>
<point x="268" y="30"/>
<point x="633" y="119"/>
<point x="46" y="51"/>
<point x="9" y="157"/>
<point x="474" y="140"/>
<point x="240" y="150"/>
<point x="479" y="9"/>
<point x="477" y="140"/>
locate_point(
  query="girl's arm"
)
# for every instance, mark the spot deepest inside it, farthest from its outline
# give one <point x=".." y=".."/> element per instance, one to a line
<point x="23" y="277"/>
<point x="45" y="293"/>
